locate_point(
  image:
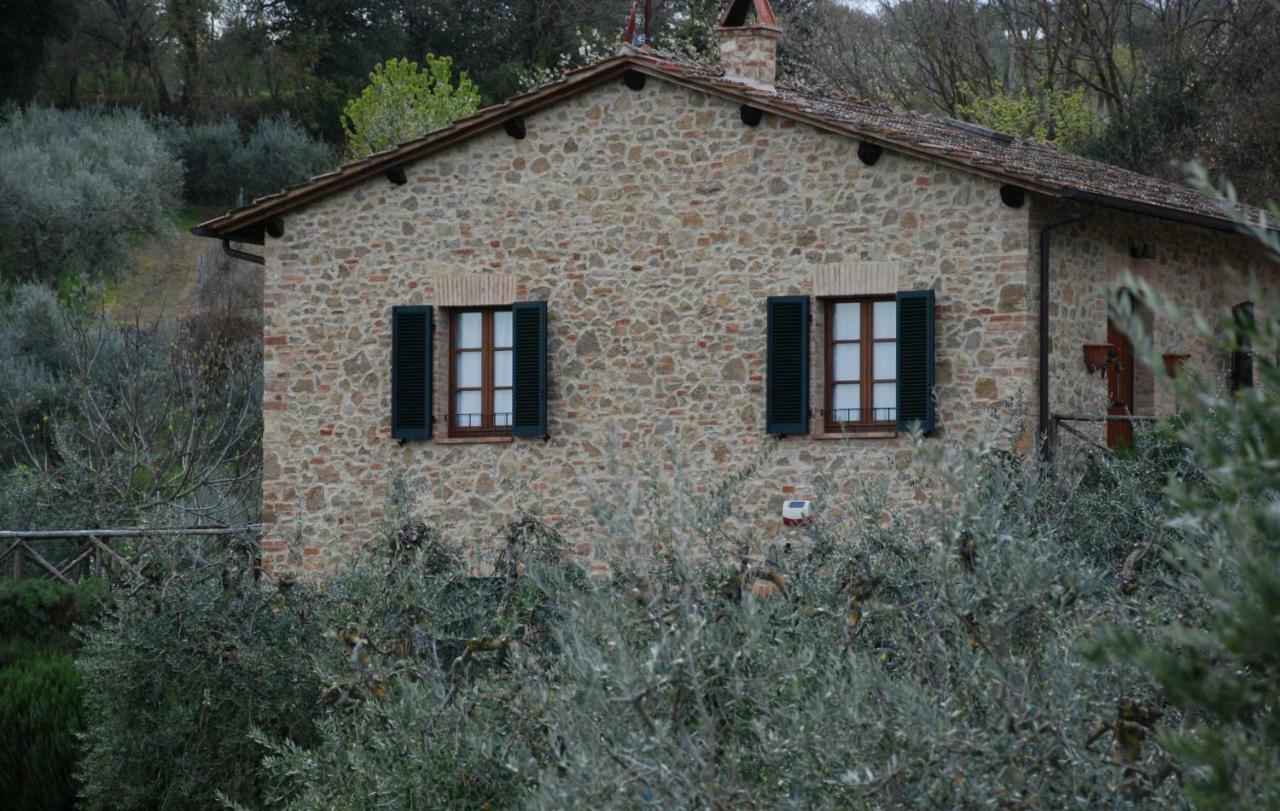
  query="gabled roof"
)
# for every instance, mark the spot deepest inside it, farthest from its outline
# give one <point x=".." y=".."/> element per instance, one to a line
<point x="1027" y="163"/>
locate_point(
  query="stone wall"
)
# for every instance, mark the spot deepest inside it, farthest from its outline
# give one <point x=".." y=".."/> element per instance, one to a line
<point x="1197" y="269"/>
<point x="655" y="224"/>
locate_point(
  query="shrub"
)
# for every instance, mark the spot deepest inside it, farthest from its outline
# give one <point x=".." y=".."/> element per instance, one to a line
<point x="278" y="153"/>
<point x="929" y="659"/>
<point x="223" y="169"/>
<point x="46" y="611"/>
<point x="207" y="152"/>
<point x="40" y="714"/>
<point x="74" y="186"/>
<point x="180" y="675"/>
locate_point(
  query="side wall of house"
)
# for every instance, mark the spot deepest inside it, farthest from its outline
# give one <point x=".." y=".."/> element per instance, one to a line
<point x="655" y="224"/>
<point x="1199" y="270"/>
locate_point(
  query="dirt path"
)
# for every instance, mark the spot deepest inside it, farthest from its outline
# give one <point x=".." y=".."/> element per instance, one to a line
<point x="163" y="283"/>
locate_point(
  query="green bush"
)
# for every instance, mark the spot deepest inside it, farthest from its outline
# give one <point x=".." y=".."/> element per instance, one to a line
<point x="224" y="169"/>
<point x="279" y="153"/>
<point x="178" y="676"/>
<point x="74" y="186"/>
<point x="46" y="611"/>
<point x="40" y="714"/>
<point x="206" y="152"/>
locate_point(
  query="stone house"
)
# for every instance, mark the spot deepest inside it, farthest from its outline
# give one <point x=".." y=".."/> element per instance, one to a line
<point x="656" y="262"/>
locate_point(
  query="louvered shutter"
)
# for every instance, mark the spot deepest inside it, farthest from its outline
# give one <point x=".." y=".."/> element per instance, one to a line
<point x="787" y="365"/>
<point x="915" y="360"/>
<point x="529" y="370"/>
<point x="411" y="334"/>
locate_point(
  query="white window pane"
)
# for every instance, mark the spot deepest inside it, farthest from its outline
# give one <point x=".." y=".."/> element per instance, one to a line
<point x="847" y="360"/>
<point x="845" y="401"/>
<point x="470" y="326"/>
<point x="885" y="358"/>
<point x="884" y="319"/>
<point x="468" y="370"/>
<point x="502" y="328"/>
<point x="502" y="368"/>
<point x="884" y="399"/>
<point x="848" y="321"/>
<point x="468" y="410"/>
<point x="502" y="407"/>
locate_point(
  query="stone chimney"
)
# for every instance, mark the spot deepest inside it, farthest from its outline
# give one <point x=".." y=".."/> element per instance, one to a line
<point x="749" y="35"/>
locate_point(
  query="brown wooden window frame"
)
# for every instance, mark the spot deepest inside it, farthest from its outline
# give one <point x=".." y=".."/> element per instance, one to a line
<point x="489" y="425"/>
<point x="866" y="366"/>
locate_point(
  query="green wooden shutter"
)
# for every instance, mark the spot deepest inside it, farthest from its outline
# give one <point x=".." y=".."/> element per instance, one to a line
<point x="529" y="369"/>
<point x="787" y="365"/>
<point x="915" y="360"/>
<point x="411" y="334"/>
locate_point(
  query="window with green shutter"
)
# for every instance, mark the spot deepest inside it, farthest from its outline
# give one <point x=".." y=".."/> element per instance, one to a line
<point x="787" y="365"/>
<point x="915" y="360"/>
<point x="861" y="364"/>
<point x="411" y="337"/>
<point x="529" y="397"/>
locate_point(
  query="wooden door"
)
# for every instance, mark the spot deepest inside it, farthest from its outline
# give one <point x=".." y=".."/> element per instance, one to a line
<point x="1119" y="388"/>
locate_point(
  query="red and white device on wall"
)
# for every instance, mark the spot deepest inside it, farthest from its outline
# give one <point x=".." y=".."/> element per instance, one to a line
<point x="796" y="512"/>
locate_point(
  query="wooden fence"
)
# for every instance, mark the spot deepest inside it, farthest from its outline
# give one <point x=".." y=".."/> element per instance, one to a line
<point x="74" y="554"/>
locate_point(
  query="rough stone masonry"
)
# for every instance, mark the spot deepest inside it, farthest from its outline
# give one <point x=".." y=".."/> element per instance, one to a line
<point x="655" y="223"/>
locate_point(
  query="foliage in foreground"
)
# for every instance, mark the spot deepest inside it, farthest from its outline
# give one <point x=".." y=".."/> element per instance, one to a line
<point x="1218" y="664"/>
<point x="933" y="661"/>
<point x="40" y="688"/>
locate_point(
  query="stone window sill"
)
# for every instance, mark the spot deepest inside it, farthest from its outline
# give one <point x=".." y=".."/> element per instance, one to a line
<point x="471" y="440"/>
<point x="856" y="435"/>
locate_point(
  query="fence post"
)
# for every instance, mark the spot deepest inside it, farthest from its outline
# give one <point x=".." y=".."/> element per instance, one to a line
<point x="17" y="559"/>
<point x="97" y="556"/>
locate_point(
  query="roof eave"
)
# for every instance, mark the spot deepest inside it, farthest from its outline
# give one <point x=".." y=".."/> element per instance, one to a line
<point x="1177" y="215"/>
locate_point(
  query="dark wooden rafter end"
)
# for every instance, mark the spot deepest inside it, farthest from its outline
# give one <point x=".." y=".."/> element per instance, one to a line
<point x="751" y="116"/>
<point x="515" y="128"/>
<point x="396" y="175"/>
<point x="868" y="152"/>
<point x="633" y="79"/>
<point x="1013" y="196"/>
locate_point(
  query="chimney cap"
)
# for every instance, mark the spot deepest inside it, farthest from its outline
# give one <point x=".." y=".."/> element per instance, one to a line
<point x="736" y="11"/>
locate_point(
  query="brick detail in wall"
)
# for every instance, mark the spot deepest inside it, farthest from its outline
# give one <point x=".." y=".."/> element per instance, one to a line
<point x="856" y="279"/>
<point x="474" y="290"/>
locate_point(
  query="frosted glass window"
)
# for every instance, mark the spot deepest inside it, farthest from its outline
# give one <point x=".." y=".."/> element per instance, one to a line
<point x="885" y="359"/>
<point x="848" y="321"/>
<point x="884" y="319"/>
<point x="884" y="399"/>
<point x="502" y="368"/>
<point x="502" y="329"/>
<point x="468" y="409"/>
<point x="847" y="361"/>
<point x="469" y="376"/>
<point x="470" y="327"/>
<point x="845" y="401"/>
<point x="502" y="407"/>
